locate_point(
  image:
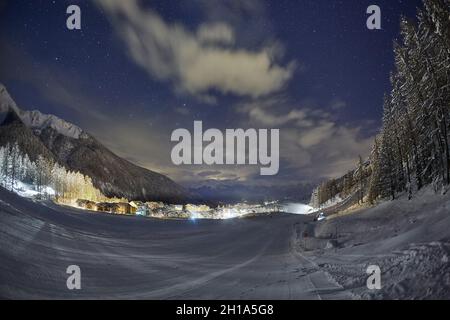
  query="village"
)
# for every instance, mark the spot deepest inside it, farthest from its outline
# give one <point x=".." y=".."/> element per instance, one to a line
<point x="178" y="211"/>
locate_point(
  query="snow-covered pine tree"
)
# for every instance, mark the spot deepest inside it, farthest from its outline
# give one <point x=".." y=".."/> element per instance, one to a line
<point x="389" y="158"/>
<point x="3" y="165"/>
<point x="413" y="147"/>
<point x="432" y="39"/>
<point x="374" y="183"/>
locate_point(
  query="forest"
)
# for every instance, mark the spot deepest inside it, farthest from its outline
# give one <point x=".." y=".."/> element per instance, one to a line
<point x="47" y="178"/>
<point x="412" y="148"/>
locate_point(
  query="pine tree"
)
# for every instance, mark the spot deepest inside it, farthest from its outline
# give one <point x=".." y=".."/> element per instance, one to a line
<point x="360" y="179"/>
<point x="374" y="184"/>
<point x="3" y="165"/>
<point x="14" y="164"/>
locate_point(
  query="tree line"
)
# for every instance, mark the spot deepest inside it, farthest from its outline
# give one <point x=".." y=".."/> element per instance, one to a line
<point x="412" y="149"/>
<point x="45" y="176"/>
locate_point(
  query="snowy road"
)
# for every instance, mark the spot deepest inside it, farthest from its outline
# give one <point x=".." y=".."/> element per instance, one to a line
<point x="133" y="257"/>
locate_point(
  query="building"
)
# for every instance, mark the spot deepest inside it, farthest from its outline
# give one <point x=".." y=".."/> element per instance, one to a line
<point x="108" y="207"/>
<point x="125" y="208"/>
<point x="153" y="205"/>
<point x="136" y="204"/>
<point x="177" y="207"/>
<point x="141" y="208"/>
<point x="86" y="204"/>
<point x="197" y="208"/>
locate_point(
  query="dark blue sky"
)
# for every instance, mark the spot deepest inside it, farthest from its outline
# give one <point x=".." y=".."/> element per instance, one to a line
<point x="326" y="98"/>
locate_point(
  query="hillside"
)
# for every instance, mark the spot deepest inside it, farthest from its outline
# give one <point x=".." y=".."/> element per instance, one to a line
<point x="75" y="149"/>
<point x="408" y="239"/>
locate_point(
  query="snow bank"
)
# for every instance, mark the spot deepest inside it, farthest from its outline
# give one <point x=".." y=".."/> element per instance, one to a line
<point x="28" y="191"/>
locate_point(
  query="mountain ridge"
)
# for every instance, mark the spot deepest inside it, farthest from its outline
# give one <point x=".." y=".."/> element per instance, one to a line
<point x="61" y="141"/>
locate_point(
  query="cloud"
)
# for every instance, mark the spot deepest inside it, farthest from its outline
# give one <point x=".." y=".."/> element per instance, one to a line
<point x="143" y="140"/>
<point x="195" y="62"/>
<point x="218" y="33"/>
<point x="182" y="110"/>
<point x="260" y="112"/>
<point x="250" y="18"/>
<point x="316" y="134"/>
<point x="208" y="173"/>
<point x="313" y="144"/>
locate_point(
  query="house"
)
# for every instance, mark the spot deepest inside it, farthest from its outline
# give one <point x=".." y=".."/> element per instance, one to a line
<point x="108" y="207"/>
<point x="152" y="205"/>
<point x="86" y="204"/>
<point x="177" y="207"/>
<point x="136" y="204"/>
<point x="141" y="208"/>
<point x="197" y="208"/>
<point x="125" y="208"/>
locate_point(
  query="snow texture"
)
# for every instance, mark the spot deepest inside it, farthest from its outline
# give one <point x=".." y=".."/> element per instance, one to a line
<point x="279" y="256"/>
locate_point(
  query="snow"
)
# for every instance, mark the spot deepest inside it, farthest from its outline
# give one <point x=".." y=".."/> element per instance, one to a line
<point x="36" y="119"/>
<point x="128" y="257"/>
<point x="407" y="239"/>
<point x="332" y="202"/>
<point x="280" y="256"/>
<point x="29" y="191"/>
<point x="297" y="208"/>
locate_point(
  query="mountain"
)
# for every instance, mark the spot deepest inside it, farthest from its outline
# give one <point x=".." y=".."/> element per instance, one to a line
<point x="58" y="140"/>
<point x="233" y="192"/>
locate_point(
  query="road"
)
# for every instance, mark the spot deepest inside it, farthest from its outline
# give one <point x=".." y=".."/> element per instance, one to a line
<point x="142" y="258"/>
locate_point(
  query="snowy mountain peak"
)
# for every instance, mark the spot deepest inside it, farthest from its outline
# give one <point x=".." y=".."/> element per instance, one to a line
<point x="37" y="120"/>
<point x="6" y="102"/>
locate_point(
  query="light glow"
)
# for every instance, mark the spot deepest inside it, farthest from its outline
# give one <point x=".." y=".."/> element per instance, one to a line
<point x="297" y="208"/>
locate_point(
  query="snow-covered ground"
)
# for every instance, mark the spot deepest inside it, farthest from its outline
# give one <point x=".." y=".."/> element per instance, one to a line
<point x="332" y="202"/>
<point x="29" y="191"/>
<point x="297" y="208"/>
<point x="408" y="239"/>
<point x="279" y="256"/>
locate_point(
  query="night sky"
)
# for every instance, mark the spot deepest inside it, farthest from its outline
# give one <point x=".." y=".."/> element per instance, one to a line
<point x="137" y="70"/>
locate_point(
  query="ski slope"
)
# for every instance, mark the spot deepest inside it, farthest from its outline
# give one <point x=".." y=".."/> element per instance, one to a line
<point x="280" y="256"/>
